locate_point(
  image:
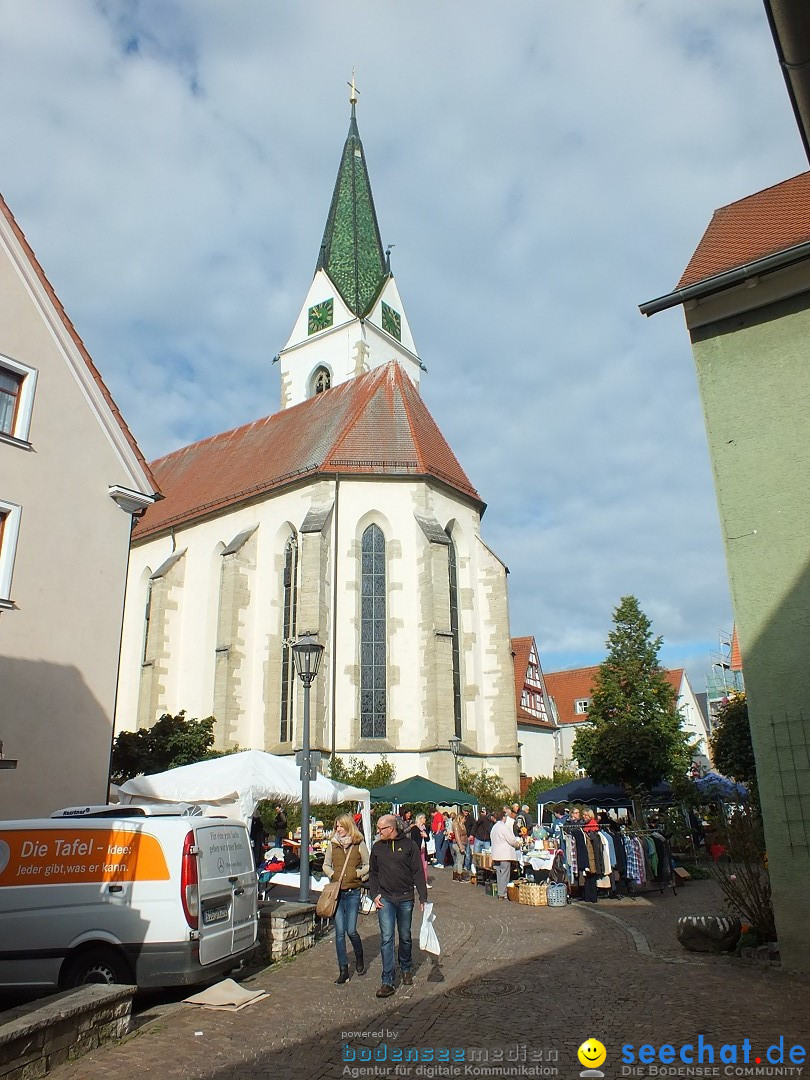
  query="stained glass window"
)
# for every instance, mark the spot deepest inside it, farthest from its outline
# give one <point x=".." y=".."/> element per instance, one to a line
<point x="451" y="559"/>
<point x="373" y="644"/>
<point x="287" y="636"/>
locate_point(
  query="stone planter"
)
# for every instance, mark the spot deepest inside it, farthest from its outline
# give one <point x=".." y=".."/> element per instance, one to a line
<point x="709" y="933"/>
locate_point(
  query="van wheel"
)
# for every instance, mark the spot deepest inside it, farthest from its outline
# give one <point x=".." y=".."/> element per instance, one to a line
<point x="98" y="965"/>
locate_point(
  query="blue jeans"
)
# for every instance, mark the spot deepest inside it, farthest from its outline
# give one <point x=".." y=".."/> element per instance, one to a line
<point x="481" y="845"/>
<point x="391" y="915"/>
<point x="468" y="854"/>
<point x="441" y="847"/>
<point x="346" y="923"/>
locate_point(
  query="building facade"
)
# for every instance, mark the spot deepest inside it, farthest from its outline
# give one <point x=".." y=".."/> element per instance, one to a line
<point x="65" y="523"/>
<point x="345" y="514"/>
<point x="746" y="298"/>
<point x="539" y="734"/>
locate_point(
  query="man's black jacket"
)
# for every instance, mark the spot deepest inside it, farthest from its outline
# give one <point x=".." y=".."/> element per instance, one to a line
<point x="396" y="870"/>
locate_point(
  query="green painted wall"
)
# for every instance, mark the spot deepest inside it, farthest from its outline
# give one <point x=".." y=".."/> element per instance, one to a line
<point x="754" y="378"/>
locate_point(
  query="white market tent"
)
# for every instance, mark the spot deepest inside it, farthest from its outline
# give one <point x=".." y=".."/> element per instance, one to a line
<point x="237" y="783"/>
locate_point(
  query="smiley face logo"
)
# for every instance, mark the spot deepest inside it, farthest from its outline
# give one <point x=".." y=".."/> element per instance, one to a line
<point x="592" y="1054"/>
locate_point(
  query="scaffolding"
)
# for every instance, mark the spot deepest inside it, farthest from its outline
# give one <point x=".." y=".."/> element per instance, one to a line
<point x="723" y="680"/>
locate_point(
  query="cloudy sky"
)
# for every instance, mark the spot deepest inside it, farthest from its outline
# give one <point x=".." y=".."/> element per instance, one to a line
<point x="542" y="168"/>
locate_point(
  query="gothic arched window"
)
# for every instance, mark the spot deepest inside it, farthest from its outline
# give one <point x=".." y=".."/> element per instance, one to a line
<point x="321" y="380"/>
<point x="373" y="637"/>
<point x="290" y="593"/>
<point x="451" y="562"/>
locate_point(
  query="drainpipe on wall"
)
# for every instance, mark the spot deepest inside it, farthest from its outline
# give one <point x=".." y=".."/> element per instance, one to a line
<point x="334" y="614"/>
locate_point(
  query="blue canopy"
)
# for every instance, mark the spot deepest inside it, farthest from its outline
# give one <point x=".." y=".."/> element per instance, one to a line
<point x="715" y="786"/>
<point x="586" y="791"/>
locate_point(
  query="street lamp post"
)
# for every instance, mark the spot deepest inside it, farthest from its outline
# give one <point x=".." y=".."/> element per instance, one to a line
<point x="307" y="652"/>
<point x="455" y="746"/>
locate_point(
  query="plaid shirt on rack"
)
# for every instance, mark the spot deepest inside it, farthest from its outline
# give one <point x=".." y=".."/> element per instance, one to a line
<point x="635" y="864"/>
<point x="571" y="856"/>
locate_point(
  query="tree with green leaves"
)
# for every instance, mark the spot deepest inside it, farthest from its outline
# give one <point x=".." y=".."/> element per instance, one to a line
<point x="358" y="774"/>
<point x="486" y="786"/>
<point x="170" y="742"/>
<point x="634" y="736"/>
<point x="732" y="750"/>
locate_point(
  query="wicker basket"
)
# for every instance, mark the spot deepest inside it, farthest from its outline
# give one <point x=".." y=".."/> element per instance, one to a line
<point x="512" y="890"/>
<point x="531" y="893"/>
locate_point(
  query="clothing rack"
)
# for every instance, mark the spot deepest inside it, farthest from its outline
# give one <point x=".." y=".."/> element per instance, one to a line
<point x="570" y="828"/>
<point x="661" y="885"/>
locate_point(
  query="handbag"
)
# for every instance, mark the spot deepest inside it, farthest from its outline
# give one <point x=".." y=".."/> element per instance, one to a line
<point x="367" y="905"/>
<point x="430" y="846"/>
<point x="330" y="894"/>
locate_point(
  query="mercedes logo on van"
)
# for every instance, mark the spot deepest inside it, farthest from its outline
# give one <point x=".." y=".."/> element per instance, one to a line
<point x="4" y="855"/>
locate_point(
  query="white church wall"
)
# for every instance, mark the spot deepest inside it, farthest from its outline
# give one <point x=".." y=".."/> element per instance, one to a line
<point x="487" y="683"/>
<point x="347" y="348"/>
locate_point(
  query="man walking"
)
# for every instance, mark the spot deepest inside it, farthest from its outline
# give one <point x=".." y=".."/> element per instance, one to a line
<point x="395" y="869"/>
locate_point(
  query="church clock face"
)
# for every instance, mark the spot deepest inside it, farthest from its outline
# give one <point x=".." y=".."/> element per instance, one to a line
<point x="391" y="321"/>
<point x="320" y="316"/>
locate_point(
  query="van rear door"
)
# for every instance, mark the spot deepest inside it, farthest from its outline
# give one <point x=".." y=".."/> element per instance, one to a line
<point x="227" y="891"/>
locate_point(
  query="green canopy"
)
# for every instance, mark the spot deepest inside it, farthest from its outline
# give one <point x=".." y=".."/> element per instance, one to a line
<point x="418" y="789"/>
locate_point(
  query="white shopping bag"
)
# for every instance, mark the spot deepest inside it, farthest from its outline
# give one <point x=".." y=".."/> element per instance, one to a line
<point x="428" y="941"/>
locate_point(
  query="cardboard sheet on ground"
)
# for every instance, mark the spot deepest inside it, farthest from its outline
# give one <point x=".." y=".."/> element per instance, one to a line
<point x="227" y="995"/>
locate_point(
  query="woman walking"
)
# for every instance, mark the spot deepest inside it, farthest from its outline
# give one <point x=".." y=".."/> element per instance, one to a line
<point x="347" y="855"/>
<point x="419" y="835"/>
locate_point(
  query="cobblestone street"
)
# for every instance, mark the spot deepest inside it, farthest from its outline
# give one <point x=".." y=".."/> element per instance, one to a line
<point x="512" y="978"/>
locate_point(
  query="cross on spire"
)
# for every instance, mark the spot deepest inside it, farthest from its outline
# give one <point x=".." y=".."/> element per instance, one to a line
<point x="355" y="91"/>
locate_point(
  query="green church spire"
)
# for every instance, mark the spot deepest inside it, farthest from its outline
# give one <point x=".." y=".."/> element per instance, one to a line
<point x="351" y="249"/>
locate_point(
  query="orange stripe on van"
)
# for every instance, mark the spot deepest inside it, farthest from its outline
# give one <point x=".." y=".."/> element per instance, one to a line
<point x="74" y="856"/>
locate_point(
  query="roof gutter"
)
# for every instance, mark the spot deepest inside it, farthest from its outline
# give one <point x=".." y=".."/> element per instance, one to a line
<point x="788" y="22"/>
<point x="728" y="279"/>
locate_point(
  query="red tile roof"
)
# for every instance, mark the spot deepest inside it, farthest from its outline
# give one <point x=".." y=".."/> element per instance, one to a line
<point x="736" y="655"/>
<point x="568" y="687"/>
<point x="768" y="222"/>
<point x="85" y="355"/>
<point x="521" y="651"/>
<point x="373" y="425"/>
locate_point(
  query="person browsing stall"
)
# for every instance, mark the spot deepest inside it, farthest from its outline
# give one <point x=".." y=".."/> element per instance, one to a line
<point x="395" y="871"/>
<point x="504" y="845"/>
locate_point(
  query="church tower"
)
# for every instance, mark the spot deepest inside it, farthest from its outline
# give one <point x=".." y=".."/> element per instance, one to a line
<point x="352" y="320"/>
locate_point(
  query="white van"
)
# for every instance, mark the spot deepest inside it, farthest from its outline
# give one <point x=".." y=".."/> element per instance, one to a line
<point x="124" y="894"/>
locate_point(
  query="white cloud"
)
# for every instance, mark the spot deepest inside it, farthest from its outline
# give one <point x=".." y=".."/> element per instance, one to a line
<point x="541" y="168"/>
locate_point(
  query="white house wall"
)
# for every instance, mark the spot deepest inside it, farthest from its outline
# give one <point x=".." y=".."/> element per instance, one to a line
<point x="538" y="750"/>
<point x="59" y="644"/>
